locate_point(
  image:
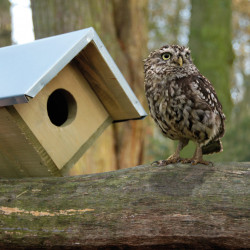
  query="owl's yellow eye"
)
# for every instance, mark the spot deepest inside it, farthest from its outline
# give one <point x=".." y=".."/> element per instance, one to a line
<point x="166" y="56"/>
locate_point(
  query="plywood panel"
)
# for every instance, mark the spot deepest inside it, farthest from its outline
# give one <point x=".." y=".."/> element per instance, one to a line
<point x="105" y="84"/>
<point x="62" y="143"/>
<point x="20" y="154"/>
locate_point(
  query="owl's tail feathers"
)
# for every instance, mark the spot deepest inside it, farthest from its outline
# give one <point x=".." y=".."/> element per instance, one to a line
<point x="212" y="147"/>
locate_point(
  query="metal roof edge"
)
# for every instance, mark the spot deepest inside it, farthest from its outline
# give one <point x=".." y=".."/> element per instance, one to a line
<point x="61" y="62"/>
<point x="115" y="70"/>
<point x="78" y="42"/>
<point x="12" y="100"/>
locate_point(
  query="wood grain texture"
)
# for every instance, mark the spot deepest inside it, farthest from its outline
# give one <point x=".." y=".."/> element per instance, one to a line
<point x="172" y="207"/>
<point x="126" y="41"/>
<point x="62" y="142"/>
<point x="21" y="154"/>
<point x="105" y="84"/>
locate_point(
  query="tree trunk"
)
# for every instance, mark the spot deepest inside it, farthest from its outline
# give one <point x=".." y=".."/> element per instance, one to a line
<point x="122" y="27"/>
<point x="5" y="23"/>
<point x="210" y="42"/>
<point x="130" y="20"/>
<point x="171" y="207"/>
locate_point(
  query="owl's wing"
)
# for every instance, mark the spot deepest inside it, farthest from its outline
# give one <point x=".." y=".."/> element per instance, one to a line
<point x="206" y="97"/>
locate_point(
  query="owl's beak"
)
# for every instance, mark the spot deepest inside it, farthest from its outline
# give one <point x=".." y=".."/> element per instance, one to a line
<point x="180" y="61"/>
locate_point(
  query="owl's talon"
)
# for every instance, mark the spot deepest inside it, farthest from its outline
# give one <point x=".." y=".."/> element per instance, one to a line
<point x="195" y="162"/>
<point x="184" y="161"/>
<point x="170" y="160"/>
<point x="159" y="163"/>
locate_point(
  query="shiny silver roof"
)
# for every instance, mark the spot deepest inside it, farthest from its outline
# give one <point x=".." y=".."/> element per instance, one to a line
<point x="25" y="69"/>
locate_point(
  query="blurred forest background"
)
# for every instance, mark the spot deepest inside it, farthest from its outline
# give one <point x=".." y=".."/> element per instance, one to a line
<point x="217" y="32"/>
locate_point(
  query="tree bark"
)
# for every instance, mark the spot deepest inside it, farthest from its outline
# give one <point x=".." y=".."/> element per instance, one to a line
<point x="5" y="23"/>
<point x="130" y="20"/>
<point x="175" y="206"/>
<point x="122" y="27"/>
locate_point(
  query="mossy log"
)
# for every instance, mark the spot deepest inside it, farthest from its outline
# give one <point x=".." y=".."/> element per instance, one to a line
<point x="145" y="207"/>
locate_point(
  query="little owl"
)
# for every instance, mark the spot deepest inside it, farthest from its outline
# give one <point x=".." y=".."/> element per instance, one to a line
<point x="183" y="103"/>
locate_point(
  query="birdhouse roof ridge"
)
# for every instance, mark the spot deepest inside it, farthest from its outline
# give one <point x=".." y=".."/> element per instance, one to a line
<point x="26" y="68"/>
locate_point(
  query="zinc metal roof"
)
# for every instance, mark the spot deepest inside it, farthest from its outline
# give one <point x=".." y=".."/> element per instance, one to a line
<point x="25" y="69"/>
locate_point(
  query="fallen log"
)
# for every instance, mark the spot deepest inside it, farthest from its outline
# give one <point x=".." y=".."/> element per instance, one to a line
<point x="176" y="206"/>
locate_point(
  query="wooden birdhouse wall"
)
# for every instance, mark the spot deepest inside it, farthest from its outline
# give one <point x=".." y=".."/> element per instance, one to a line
<point x="53" y="139"/>
<point x="104" y="83"/>
<point x="85" y="115"/>
<point x="21" y="154"/>
<point x="56" y="99"/>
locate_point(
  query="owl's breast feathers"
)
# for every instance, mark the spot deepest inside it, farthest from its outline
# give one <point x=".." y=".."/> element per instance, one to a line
<point x="187" y="107"/>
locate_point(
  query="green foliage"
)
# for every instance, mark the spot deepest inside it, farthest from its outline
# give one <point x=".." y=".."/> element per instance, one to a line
<point x="210" y="42"/>
<point x="168" y="22"/>
<point x="159" y="147"/>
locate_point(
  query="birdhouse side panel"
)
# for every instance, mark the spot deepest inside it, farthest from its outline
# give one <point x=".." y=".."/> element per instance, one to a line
<point x="110" y="88"/>
<point x="21" y="155"/>
<point x="85" y="114"/>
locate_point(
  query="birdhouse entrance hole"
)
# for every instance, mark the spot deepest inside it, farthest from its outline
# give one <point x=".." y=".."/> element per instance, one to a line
<point x="61" y="107"/>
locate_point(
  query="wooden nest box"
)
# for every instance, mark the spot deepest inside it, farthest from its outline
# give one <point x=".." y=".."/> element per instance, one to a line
<point x="56" y="96"/>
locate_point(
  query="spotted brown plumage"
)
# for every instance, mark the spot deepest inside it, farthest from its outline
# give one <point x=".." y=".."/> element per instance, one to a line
<point x="183" y="103"/>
